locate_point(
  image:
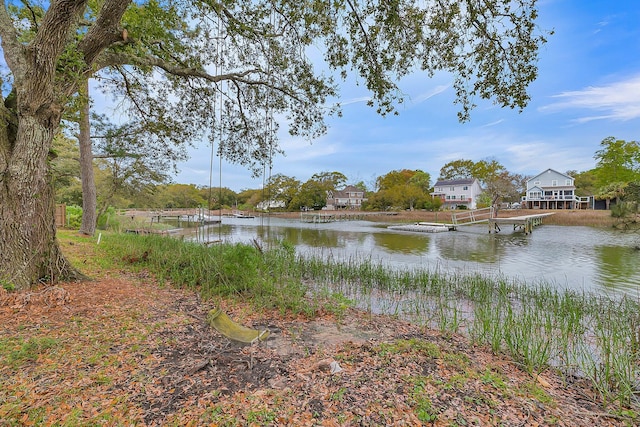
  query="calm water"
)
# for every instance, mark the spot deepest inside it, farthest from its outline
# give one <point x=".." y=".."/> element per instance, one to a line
<point x="581" y="258"/>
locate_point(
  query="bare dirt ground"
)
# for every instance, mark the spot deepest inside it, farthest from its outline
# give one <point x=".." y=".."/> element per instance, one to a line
<point x="122" y="350"/>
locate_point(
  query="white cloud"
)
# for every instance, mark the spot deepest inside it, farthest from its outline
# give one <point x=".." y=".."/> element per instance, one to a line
<point x="433" y="92"/>
<point x="302" y="150"/>
<point x="355" y="100"/>
<point x="535" y="156"/>
<point x="616" y="101"/>
<point x="497" y="122"/>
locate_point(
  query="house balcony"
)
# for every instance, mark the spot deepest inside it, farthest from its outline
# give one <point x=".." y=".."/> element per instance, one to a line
<point x="466" y="200"/>
<point x="566" y="201"/>
<point x="570" y="198"/>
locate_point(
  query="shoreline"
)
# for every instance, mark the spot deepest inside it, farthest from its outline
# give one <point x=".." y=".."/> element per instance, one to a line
<point x="592" y="218"/>
<point x="126" y="348"/>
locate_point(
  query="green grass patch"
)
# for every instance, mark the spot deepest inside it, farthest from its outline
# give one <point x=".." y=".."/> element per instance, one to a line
<point x="535" y="391"/>
<point x="422" y="405"/>
<point x="495" y="379"/>
<point x="18" y="352"/>
<point x="412" y="345"/>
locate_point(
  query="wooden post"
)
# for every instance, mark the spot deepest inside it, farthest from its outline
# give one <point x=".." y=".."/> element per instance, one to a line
<point x="61" y="215"/>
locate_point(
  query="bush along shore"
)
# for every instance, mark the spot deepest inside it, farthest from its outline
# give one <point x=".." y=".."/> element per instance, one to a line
<point x="579" y="338"/>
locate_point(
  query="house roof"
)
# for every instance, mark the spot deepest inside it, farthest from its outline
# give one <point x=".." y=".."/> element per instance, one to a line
<point x="547" y="170"/>
<point x="345" y="191"/>
<point x="455" y="182"/>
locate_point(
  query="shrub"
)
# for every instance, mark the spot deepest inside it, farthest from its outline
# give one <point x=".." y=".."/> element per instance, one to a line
<point x="74" y="216"/>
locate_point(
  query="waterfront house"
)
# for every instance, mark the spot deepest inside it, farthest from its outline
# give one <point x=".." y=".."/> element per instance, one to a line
<point x="456" y="193"/>
<point x="553" y="190"/>
<point x="350" y="197"/>
<point x="272" y="204"/>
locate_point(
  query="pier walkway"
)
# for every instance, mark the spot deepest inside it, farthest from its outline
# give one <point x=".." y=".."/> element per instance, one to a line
<point x="524" y="222"/>
<point x="188" y="217"/>
<point x="472" y="217"/>
<point x="318" y="217"/>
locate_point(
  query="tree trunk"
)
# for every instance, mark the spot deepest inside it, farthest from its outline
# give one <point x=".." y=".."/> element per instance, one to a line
<point x="30" y="252"/>
<point x="89" y="198"/>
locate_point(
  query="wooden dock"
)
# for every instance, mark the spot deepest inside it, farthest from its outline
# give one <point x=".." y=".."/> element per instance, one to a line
<point x="449" y="227"/>
<point x="317" y="217"/>
<point x="470" y="217"/>
<point x="524" y="222"/>
<point x="426" y="227"/>
<point x="188" y="217"/>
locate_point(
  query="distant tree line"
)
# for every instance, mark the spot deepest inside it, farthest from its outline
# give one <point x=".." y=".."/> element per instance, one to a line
<point x="143" y="184"/>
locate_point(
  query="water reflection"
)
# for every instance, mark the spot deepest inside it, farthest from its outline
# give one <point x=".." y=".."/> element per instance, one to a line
<point x="616" y="262"/>
<point x="579" y="258"/>
<point x="462" y="246"/>
<point x="402" y="243"/>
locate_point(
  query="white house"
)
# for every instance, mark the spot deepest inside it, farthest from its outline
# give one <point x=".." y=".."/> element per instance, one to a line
<point x="266" y="205"/>
<point x="552" y="190"/>
<point x="458" y="192"/>
<point x="350" y="197"/>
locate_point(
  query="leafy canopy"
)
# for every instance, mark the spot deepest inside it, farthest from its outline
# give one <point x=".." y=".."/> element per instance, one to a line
<point x="618" y="161"/>
<point x="227" y="68"/>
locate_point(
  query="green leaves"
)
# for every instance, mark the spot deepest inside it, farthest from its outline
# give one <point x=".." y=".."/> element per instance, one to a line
<point x="406" y="189"/>
<point x="617" y="161"/>
<point x="237" y="70"/>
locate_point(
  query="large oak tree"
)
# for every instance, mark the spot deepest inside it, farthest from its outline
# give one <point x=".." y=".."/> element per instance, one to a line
<point x="174" y="60"/>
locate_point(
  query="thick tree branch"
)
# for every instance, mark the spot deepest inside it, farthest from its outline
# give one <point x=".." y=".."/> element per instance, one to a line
<point x="52" y="36"/>
<point x="105" y="31"/>
<point x="14" y="52"/>
<point x="118" y="59"/>
<point x="121" y="59"/>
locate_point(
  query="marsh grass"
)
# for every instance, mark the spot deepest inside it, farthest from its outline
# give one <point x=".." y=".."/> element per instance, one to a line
<point x="539" y="325"/>
<point x="589" y="217"/>
<point x="267" y="278"/>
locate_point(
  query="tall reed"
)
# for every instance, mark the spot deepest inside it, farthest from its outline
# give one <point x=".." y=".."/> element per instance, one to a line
<point x="268" y="278"/>
<point x="540" y="325"/>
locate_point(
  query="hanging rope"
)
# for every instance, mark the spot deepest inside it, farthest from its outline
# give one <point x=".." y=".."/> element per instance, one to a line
<point x="269" y="126"/>
<point x="217" y="120"/>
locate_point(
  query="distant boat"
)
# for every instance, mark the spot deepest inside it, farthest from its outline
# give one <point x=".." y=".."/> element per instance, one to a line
<point x="239" y="214"/>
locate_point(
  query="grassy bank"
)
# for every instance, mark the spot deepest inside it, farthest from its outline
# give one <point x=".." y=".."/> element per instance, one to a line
<point x="268" y="278"/>
<point x="541" y="327"/>
<point x="579" y="334"/>
<point x="133" y="347"/>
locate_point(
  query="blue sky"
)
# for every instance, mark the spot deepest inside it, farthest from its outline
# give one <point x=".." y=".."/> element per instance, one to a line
<point x="588" y="89"/>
